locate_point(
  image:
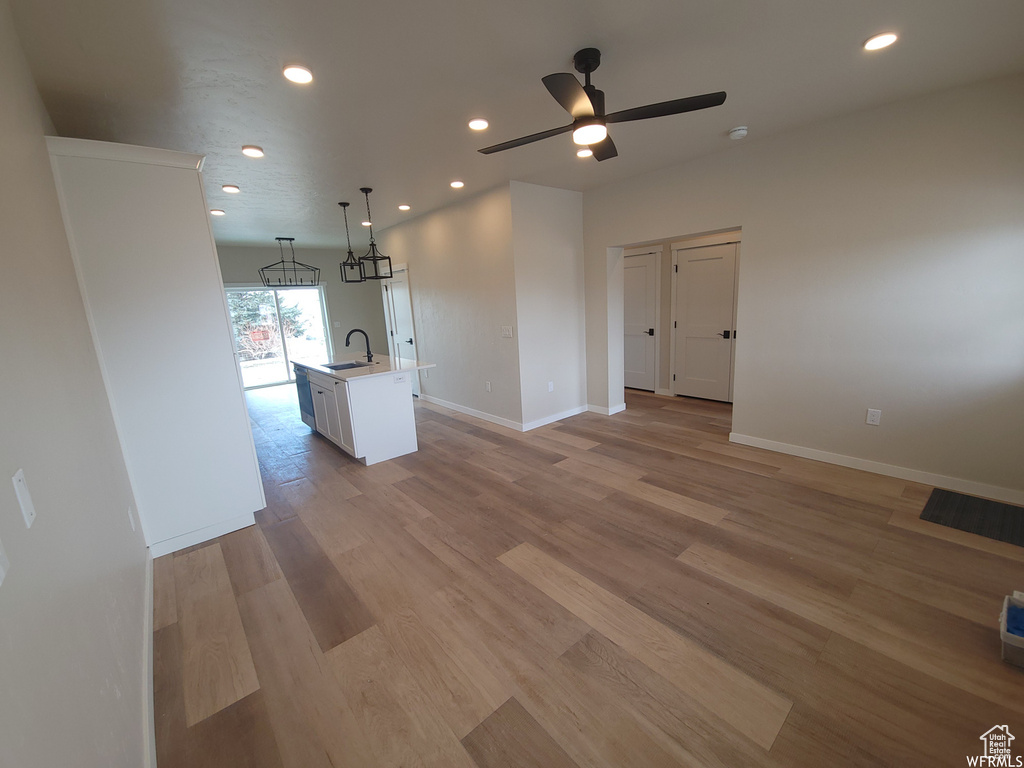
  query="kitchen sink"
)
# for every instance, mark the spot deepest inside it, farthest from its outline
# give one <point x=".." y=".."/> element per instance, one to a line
<point x="348" y="366"/>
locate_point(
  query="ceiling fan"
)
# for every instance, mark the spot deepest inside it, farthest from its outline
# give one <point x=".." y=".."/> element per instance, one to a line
<point x="585" y="103"/>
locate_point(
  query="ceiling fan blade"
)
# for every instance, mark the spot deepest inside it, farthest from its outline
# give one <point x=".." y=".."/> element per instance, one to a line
<point x="604" y="149"/>
<point x="525" y="140"/>
<point x="674" y="107"/>
<point x="570" y="94"/>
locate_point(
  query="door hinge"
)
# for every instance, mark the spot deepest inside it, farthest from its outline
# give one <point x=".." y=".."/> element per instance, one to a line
<point x="673" y="377"/>
<point x="675" y="267"/>
<point x="675" y="324"/>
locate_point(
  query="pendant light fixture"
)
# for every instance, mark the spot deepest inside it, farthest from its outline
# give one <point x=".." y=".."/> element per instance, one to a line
<point x="376" y="266"/>
<point x="352" y="270"/>
<point x="289" y="272"/>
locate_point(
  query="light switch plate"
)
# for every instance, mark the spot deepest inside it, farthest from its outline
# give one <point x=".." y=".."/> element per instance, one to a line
<point x="28" y="510"/>
<point x="5" y="564"/>
<point x="506" y="331"/>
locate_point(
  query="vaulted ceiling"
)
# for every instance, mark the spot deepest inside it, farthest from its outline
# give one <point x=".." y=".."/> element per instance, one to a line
<point x="396" y="82"/>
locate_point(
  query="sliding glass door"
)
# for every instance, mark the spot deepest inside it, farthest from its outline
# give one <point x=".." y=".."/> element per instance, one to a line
<point x="272" y="327"/>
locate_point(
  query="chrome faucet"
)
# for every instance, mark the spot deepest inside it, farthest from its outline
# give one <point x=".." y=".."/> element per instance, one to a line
<point x="369" y="354"/>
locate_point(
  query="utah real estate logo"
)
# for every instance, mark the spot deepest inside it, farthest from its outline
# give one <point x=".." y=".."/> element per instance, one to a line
<point x="997" y="750"/>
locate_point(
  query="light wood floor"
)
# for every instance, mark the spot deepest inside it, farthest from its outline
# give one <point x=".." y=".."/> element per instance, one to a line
<point x="605" y="591"/>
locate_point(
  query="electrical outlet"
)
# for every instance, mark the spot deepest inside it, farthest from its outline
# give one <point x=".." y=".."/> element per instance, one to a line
<point x="874" y="417"/>
<point x="5" y="564"/>
<point x="487" y="386"/>
<point x="551" y="386"/>
<point x="401" y="378"/>
<point x="28" y="510"/>
<point x="506" y="331"/>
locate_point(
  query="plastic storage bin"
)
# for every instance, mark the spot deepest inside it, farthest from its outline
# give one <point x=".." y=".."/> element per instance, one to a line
<point x="1013" y="645"/>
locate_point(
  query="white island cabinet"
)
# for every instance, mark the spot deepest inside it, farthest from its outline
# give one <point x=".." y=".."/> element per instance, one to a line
<point x="366" y="410"/>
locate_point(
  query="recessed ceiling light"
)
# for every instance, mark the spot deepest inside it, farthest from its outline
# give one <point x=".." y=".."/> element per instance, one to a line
<point x="298" y="74"/>
<point x="457" y="185"/>
<point x="478" y="124"/>
<point x="251" y="150"/>
<point x="878" y="42"/>
<point x="216" y="212"/>
<point x="403" y="207"/>
<point x="231" y="189"/>
<point x="585" y="152"/>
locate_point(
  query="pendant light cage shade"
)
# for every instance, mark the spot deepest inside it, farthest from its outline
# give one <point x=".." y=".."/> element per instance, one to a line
<point x="289" y="271"/>
<point x="376" y="266"/>
<point x="352" y="269"/>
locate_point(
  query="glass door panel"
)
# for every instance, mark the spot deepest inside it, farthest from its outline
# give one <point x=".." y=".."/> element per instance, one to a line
<point x="257" y="337"/>
<point x="273" y="326"/>
<point x="305" y="337"/>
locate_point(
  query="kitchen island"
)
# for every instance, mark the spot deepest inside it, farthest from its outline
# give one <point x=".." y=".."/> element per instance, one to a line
<point x="366" y="409"/>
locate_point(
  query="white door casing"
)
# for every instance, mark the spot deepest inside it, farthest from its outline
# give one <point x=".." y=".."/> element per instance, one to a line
<point x="705" y="324"/>
<point x="398" y="319"/>
<point x="641" y="293"/>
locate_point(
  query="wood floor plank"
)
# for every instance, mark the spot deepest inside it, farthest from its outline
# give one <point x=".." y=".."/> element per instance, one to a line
<point x="217" y="665"/>
<point x="398" y="720"/>
<point x="741" y="701"/>
<point x="510" y="738"/>
<point x="248" y="558"/>
<point x="699" y="735"/>
<point x="927" y="649"/>
<point x="462" y="689"/>
<point x="616" y="592"/>
<point x="239" y="735"/>
<point x="332" y="609"/>
<point x="312" y="722"/>
<point x="165" y="601"/>
<point x="169" y="697"/>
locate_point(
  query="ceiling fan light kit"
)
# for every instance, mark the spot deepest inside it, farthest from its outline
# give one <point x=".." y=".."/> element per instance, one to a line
<point x="585" y="103"/>
<point x="289" y="271"/>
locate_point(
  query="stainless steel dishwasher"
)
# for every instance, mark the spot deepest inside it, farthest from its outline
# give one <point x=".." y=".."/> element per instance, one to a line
<point x="305" y="396"/>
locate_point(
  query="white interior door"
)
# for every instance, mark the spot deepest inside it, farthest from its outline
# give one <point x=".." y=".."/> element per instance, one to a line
<point x="398" y="317"/>
<point x="640" y="314"/>
<point x="705" y="314"/>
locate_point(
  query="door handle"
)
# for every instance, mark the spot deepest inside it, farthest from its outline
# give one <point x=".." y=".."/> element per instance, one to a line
<point x="650" y="331"/>
<point x="724" y="334"/>
<point x="409" y="340"/>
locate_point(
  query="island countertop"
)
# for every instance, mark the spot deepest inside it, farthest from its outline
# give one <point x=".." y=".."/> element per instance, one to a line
<point x="382" y="365"/>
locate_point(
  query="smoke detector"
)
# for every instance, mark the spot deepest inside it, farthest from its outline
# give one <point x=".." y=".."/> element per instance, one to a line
<point x="737" y="133"/>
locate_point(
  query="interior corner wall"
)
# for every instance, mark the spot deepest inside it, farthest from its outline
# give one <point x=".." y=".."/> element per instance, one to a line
<point x="462" y="283"/>
<point x="73" y="604"/>
<point x="547" y="245"/>
<point x="882" y="267"/>
<point x="349" y="305"/>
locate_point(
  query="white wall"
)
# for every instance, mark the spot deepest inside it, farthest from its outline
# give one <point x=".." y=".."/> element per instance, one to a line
<point x="462" y="282"/>
<point x="882" y="267"/>
<point x="547" y="244"/>
<point x="72" y="618"/>
<point x="349" y="305"/>
<point x="138" y="226"/>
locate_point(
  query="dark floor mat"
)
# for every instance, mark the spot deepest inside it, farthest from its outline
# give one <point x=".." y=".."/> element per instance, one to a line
<point x="991" y="519"/>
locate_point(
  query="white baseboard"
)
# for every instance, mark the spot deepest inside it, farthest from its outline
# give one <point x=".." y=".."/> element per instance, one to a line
<point x="553" y="418"/>
<point x="148" y="708"/>
<point x="165" y="547"/>
<point x="517" y="426"/>
<point x="607" y="411"/>
<point x="1008" y="495"/>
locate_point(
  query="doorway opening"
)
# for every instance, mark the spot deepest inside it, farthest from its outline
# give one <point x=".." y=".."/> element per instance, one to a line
<point x="273" y="326"/>
<point x="397" y="299"/>
<point x="679" y="315"/>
